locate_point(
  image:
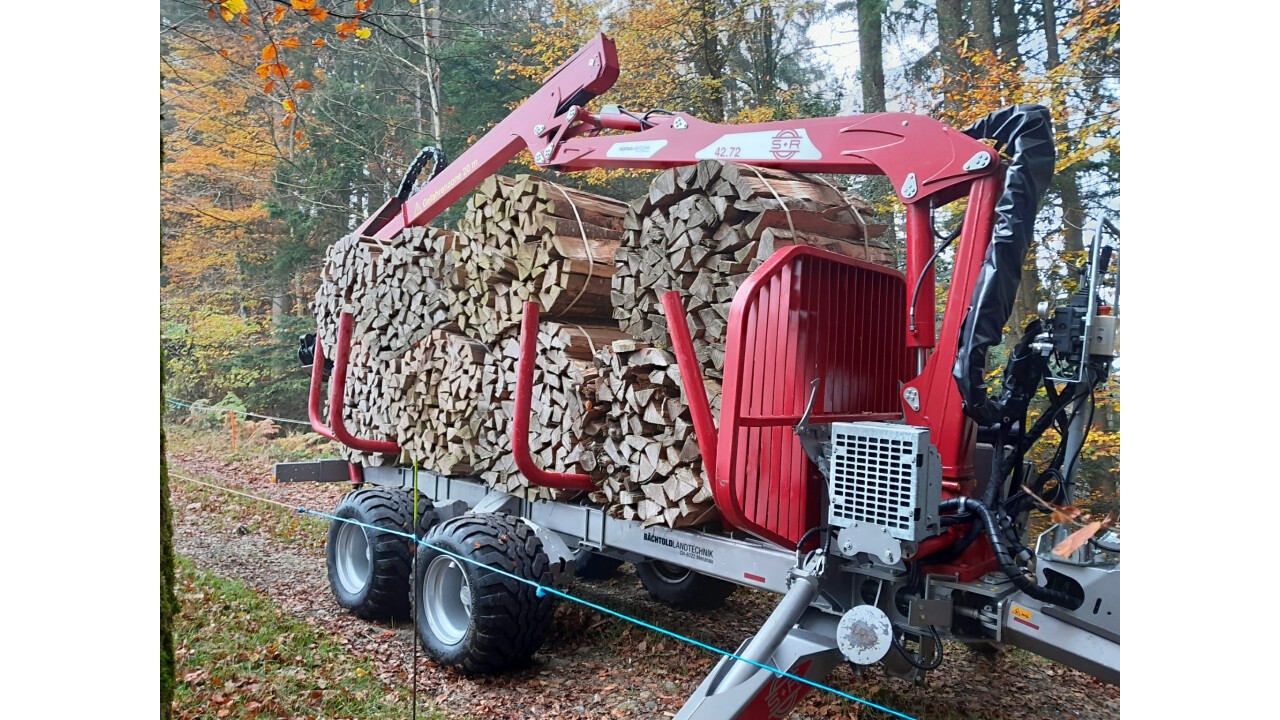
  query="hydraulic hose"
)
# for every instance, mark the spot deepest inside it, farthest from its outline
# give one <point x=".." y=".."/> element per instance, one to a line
<point x="1003" y="557"/>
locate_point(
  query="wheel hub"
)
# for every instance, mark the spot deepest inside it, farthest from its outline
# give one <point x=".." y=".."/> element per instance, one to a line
<point x="670" y="573"/>
<point x="446" y="600"/>
<point x="353" y="558"/>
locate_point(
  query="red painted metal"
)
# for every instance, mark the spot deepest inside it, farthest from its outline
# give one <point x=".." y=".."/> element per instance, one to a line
<point x="524" y="403"/>
<point x="909" y="149"/>
<point x="805" y="314"/>
<point x="591" y="71"/>
<point x="695" y="393"/>
<point x="338" y="385"/>
<point x="919" y="250"/>
<point x="898" y="145"/>
<point x="952" y="432"/>
<point x="313" y="398"/>
<point x="355" y="473"/>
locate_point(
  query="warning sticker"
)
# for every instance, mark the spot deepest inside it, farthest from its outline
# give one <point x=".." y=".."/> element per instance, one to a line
<point x="1023" y="615"/>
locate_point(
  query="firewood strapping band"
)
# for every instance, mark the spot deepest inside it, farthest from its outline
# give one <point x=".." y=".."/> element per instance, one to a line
<point x="591" y="260"/>
<point x="866" y="238"/>
<point x="776" y="196"/>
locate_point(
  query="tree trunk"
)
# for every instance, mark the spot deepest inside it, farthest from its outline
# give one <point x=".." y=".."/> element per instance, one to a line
<point x="871" y="54"/>
<point x="1007" y="40"/>
<point x="984" y="30"/>
<point x="281" y="306"/>
<point x="951" y="27"/>
<point x="168" y="599"/>
<point x="431" y="43"/>
<point x="1050" y="18"/>
<point x="711" y="61"/>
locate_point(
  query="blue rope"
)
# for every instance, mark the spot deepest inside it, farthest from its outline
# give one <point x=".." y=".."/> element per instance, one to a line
<point x="543" y="590"/>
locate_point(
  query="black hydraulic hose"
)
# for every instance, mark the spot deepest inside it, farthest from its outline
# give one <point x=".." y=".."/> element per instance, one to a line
<point x="1026" y="132"/>
<point x="1003" y="557"/>
<point x="915" y="293"/>
<point x="915" y="660"/>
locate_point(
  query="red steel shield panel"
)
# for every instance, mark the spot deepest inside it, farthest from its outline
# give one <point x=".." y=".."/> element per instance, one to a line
<point x="805" y="314"/>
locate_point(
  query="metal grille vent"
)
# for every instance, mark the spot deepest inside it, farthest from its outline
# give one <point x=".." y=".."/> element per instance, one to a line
<point x="885" y="475"/>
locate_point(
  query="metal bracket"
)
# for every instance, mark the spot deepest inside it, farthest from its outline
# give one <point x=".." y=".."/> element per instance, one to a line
<point x="815" y="439"/>
<point x="873" y="540"/>
<point x="909" y="187"/>
<point x="497" y="502"/>
<point x="558" y="552"/>
<point x="980" y="160"/>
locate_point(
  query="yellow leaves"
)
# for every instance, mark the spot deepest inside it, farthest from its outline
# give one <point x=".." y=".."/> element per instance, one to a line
<point x="291" y="43"/>
<point x="363" y="33"/>
<point x="269" y="53"/>
<point x="231" y="8"/>
<point x="227" y="15"/>
<point x="288" y="104"/>
<point x="278" y="14"/>
<point x="303" y="4"/>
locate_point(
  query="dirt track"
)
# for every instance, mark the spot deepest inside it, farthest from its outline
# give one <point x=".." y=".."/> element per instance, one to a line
<point x="591" y="666"/>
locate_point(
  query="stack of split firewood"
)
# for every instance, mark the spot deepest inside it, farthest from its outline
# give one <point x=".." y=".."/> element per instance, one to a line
<point x="437" y="321"/>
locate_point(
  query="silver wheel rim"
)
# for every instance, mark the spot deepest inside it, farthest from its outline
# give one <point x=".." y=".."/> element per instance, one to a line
<point x="352" y="558"/>
<point x="446" y="600"/>
<point x="669" y="573"/>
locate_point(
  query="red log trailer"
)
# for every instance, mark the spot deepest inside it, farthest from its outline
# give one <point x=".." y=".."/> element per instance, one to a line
<point x="862" y="470"/>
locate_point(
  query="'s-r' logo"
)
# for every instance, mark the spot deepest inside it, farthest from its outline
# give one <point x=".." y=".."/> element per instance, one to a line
<point x="786" y="143"/>
<point x="783" y="694"/>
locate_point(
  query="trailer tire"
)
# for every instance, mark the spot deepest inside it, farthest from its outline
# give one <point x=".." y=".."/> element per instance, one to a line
<point x="681" y="587"/>
<point x="470" y="617"/>
<point x="591" y="565"/>
<point x="368" y="569"/>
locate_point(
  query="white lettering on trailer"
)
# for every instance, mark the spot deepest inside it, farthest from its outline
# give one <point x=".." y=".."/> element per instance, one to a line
<point x="635" y="149"/>
<point x="789" y="144"/>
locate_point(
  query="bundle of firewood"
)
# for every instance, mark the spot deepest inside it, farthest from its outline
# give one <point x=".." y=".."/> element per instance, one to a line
<point x="560" y="422"/>
<point x="648" y="442"/>
<point x="531" y="240"/>
<point x="702" y="229"/>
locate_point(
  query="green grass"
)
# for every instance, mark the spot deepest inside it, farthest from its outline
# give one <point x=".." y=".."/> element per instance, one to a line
<point x="240" y="656"/>
<point x="215" y="440"/>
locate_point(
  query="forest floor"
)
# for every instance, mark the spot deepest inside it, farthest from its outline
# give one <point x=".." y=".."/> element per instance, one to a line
<point x="262" y="568"/>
